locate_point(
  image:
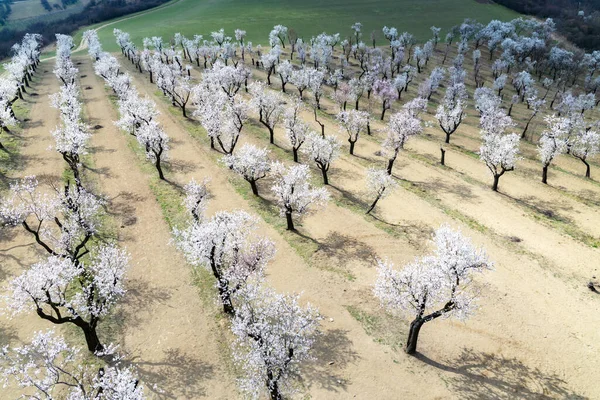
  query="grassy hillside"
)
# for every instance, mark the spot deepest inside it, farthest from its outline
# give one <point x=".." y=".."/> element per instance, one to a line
<point x="308" y="17"/>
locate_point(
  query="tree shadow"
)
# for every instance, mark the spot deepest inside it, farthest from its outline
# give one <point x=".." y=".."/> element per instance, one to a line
<point x="181" y="166"/>
<point x="464" y="192"/>
<point x="123" y="206"/>
<point x="487" y="376"/>
<point x="333" y="352"/>
<point x="342" y="247"/>
<point x="140" y="296"/>
<point x="176" y="375"/>
<point x="351" y="197"/>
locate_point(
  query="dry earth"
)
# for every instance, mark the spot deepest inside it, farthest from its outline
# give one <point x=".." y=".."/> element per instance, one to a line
<point x="535" y="335"/>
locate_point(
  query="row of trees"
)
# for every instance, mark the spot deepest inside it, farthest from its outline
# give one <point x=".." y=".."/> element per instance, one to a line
<point x="19" y="72"/>
<point x="138" y="114"/>
<point x="81" y="279"/>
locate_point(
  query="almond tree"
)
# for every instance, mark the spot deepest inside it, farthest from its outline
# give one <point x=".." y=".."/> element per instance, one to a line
<point x="156" y="144"/>
<point x="401" y="127"/>
<point x="293" y="193"/>
<point x="269" y="106"/>
<point x="62" y="291"/>
<point x="274" y="335"/>
<point x="251" y="162"/>
<point x="284" y="70"/>
<point x="384" y="89"/>
<point x="301" y="79"/>
<point x="438" y="285"/>
<point x="499" y="153"/>
<point x="450" y="115"/>
<point x="353" y="122"/>
<point x="323" y="151"/>
<point x="379" y="185"/>
<point x="196" y="199"/>
<point x="135" y="112"/>
<point x="62" y="222"/>
<point x="225" y="246"/>
<point x="586" y="145"/>
<point x="54" y="368"/>
<point x="553" y="142"/>
<point x="295" y="128"/>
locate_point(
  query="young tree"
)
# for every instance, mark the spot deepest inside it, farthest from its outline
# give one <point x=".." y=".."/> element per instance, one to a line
<point x="225" y="246"/>
<point x="402" y="126"/>
<point x="433" y="286"/>
<point x="251" y="162"/>
<point x="62" y="222"/>
<point x="62" y="291"/>
<point x="499" y="153"/>
<point x="284" y="70"/>
<point x="54" y="369"/>
<point x="553" y="142"/>
<point x="274" y="336"/>
<point x="353" y="122"/>
<point x="323" y="151"/>
<point x="386" y="91"/>
<point x="294" y="194"/>
<point x="379" y="185"/>
<point x="295" y="128"/>
<point x="156" y="144"/>
<point x="586" y="145"/>
<point x="450" y="115"/>
<point x="196" y="199"/>
<point x="269" y="106"/>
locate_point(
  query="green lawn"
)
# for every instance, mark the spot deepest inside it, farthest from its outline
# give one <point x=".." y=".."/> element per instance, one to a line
<point x="307" y="17"/>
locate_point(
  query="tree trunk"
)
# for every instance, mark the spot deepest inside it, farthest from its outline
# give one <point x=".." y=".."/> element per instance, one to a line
<point x="273" y="386"/>
<point x="356" y="105"/>
<point x="413" y="336"/>
<point x="295" y="152"/>
<point x="383" y="113"/>
<point x="545" y="174"/>
<point x="290" y="221"/>
<point x="91" y="337"/>
<point x="254" y="188"/>
<point x="495" y="184"/>
<point x="325" y="180"/>
<point x="159" y="168"/>
<point x="373" y="205"/>
<point x="271" y="135"/>
<point x="448" y="137"/>
<point x="443" y="159"/>
<point x="352" y="147"/>
<point x="587" y="168"/>
<point x="390" y="165"/>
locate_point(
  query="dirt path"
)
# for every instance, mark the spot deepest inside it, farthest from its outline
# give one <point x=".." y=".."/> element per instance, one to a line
<point x="168" y="335"/>
<point x="513" y="316"/>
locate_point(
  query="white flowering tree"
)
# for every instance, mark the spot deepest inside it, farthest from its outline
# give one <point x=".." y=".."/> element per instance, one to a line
<point x="438" y="285"/>
<point x="63" y="291"/>
<point x="401" y="127"/>
<point x="223" y="245"/>
<point x="62" y="222"/>
<point x="553" y="142"/>
<point x="270" y="107"/>
<point x="323" y="151"/>
<point x="274" y="335"/>
<point x="450" y="115"/>
<point x="135" y="111"/>
<point x="50" y="368"/>
<point x="196" y="199"/>
<point x="284" y="70"/>
<point x="155" y="142"/>
<point x="500" y="154"/>
<point x="295" y="128"/>
<point x="379" y="185"/>
<point x="293" y="192"/>
<point x="386" y="92"/>
<point x="586" y="145"/>
<point x="251" y="162"/>
<point x="353" y="122"/>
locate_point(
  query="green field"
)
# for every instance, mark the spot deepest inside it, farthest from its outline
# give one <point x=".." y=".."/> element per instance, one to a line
<point x="307" y="17"/>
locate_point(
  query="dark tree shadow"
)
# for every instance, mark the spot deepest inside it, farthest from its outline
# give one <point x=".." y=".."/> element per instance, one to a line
<point x="176" y="375"/>
<point x="487" y="376"/>
<point x="140" y="296"/>
<point x="341" y="247"/>
<point x="464" y="192"/>
<point x="333" y="352"/>
<point x="123" y="207"/>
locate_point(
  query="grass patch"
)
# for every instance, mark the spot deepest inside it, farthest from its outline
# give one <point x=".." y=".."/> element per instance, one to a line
<point x="382" y="327"/>
<point x="308" y="18"/>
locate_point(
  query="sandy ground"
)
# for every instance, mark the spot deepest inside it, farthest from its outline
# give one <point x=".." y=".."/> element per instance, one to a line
<point x="534" y="336"/>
